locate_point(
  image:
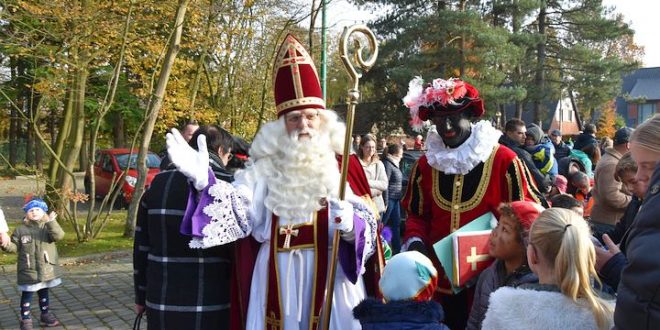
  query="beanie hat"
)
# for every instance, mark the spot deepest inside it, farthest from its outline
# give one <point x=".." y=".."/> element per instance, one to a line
<point x="555" y="132"/>
<point x="622" y="135"/>
<point x="525" y="213"/>
<point x="409" y="276"/>
<point x="445" y="97"/>
<point x="35" y="202"/>
<point x="535" y="132"/>
<point x="561" y="183"/>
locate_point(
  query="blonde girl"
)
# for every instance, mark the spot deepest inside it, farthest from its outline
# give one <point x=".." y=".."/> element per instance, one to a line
<point x="561" y="253"/>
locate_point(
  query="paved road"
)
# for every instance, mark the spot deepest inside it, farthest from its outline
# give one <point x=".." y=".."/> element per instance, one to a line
<point x="93" y="295"/>
<point x="13" y="192"/>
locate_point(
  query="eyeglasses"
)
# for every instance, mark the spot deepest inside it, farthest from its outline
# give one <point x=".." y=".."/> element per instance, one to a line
<point x="296" y="117"/>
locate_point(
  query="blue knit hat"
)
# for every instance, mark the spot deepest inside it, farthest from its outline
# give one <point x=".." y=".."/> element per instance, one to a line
<point x="35" y="202"/>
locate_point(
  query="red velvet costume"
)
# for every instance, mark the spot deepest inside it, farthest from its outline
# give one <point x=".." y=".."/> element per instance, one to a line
<point x="461" y="176"/>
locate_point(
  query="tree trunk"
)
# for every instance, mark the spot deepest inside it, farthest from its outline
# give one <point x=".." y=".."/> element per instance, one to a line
<point x="29" y="147"/>
<point x="516" y="23"/>
<point x="152" y="111"/>
<point x="539" y="80"/>
<point x="13" y="116"/>
<point x="118" y="134"/>
<point x="64" y="130"/>
<point x="76" y="135"/>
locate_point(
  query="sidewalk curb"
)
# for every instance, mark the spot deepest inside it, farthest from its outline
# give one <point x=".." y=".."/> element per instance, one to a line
<point x="72" y="261"/>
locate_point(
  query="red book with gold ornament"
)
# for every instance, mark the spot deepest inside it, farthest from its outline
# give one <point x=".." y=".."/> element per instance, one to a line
<point x="470" y="255"/>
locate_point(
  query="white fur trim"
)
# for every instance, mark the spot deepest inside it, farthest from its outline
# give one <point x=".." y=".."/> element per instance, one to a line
<point x="462" y="159"/>
<point x="513" y="309"/>
<point x="229" y="217"/>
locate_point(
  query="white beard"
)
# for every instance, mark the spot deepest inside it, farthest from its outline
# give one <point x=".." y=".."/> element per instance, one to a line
<point x="298" y="173"/>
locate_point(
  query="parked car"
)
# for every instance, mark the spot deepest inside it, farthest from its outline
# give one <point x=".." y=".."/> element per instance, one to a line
<point x="111" y="162"/>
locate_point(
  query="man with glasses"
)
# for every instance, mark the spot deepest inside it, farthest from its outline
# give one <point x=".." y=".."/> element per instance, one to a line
<point x="293" y="189"/>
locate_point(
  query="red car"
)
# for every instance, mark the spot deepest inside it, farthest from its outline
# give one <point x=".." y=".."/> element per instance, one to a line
<point x="111" y="162"/>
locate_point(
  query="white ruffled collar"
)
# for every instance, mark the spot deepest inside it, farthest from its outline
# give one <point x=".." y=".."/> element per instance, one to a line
<point x="462" y="159"/>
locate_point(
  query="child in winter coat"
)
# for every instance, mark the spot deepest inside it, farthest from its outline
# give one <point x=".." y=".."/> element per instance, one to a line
<point x="508" y="245"/>
<point x="408" y="283"/>
<point x="561" y="254"/>
<point x="34" y="242"/>
<point x="543" y="152"/>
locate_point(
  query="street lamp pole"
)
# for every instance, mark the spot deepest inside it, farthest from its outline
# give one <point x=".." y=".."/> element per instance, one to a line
<point x="323" y="50"/>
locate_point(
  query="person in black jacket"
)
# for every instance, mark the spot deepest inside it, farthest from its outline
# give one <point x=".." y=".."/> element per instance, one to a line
<point x="587" y="137"/>
<point x="392" y="217"/>
<point x="638" y="297"/>
<point x="561" y="148"/>
<point x="609" y="266"/>
<point x="514" y="138"/>
<point x="180" y="287"/>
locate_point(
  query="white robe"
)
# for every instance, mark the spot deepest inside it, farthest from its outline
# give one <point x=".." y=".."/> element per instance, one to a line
<point x="296" y="278"/>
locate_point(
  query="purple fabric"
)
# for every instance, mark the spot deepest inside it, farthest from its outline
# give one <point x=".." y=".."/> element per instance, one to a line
<point x="194" y="219"/>
<point x="351" y="254"/>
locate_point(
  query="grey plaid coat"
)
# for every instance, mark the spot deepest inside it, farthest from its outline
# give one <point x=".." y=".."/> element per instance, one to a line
<point x="181" y="288"/>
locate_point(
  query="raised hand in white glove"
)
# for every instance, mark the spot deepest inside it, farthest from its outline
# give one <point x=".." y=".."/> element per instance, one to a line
<point x="192" y="163"/>
<point x="340" y="215"/>
<point x="3" y="223"/>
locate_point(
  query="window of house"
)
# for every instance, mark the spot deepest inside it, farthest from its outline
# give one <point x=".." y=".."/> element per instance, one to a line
<point x="645" y="111"/>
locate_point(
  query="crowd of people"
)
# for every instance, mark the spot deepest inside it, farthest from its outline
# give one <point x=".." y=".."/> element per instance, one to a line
<point x="232" y="235"/>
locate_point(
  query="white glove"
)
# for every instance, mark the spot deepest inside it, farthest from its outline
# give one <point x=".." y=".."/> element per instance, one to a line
<point x="340" y="215"/>
<point x="192" y="163"/>
<point x="4" y="238"/>
<point x="3" y="223"/>
<point x="52" y="216"/>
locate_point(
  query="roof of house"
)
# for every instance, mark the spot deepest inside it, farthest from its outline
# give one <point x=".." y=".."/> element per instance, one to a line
<point x="646" y="88"/>
<point x="629" y="82"/>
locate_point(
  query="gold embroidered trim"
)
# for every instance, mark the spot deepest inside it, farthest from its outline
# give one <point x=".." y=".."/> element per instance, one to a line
<point x="310" y="100"/>
<point x="272" y="322"/>
<point x="531" y="188"/>
<point x="521" y="168"/>
<point x="510" y="185"/>
<point x="456" y="206"/>
<point x="420" y="193"/>
<point x="316" y="256"/>
<point x="271" y="319"/>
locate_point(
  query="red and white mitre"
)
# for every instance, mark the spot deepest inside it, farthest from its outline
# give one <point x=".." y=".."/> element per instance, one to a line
<point x="295" y="80"/>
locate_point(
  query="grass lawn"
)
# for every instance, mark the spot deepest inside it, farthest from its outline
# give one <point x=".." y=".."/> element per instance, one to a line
<point x="110" y="239"/>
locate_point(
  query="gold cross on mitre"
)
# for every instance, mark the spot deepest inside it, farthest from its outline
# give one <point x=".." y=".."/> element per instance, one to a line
<point x="288" y="231"/>
<point x="474" y="258"/>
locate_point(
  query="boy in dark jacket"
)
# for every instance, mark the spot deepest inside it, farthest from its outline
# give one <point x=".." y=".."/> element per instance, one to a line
<point x="508" y="245"/>
<point x="407" y="284"/>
